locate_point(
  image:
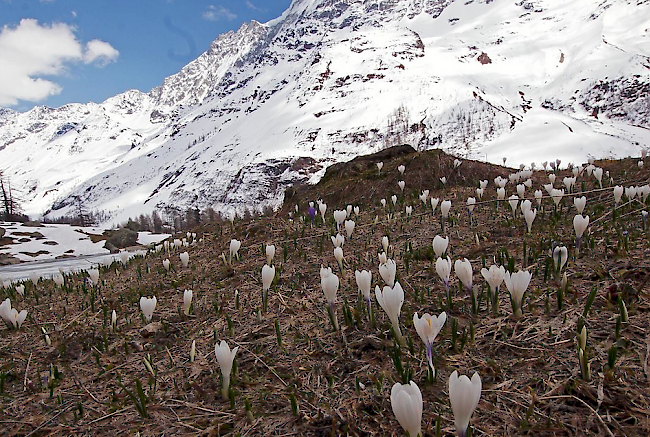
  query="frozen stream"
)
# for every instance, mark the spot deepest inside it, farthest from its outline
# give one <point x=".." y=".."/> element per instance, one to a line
<point x="47" y="268"/>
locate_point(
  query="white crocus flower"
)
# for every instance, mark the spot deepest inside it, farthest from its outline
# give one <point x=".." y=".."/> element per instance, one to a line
<point x="557" y="196"/>
<point x="424" y="196"/>
<point x="379" y="166"/>
<point x="618" y="194"/>
<point x="598" y="174"/>
<point x="401" y="185"/>
<point x="20" y="289"/>
<point x="428" y="328"/>
<point x="471" y="203"/>
<point x="148" y="305"/>
<point x="94" y="276"/>
<point x="187" y="301"/>
<point x="185" y="259"/>
<point x="364" y="282"/>
<point x="494" y="277"/>
<point x="338" y="241"/>
<point x="513" y="201"/>
<point x="538" y="197"/>
<point x="384" y="243"/>
<point x="445" y="206"/>
<point x="388" y="271"/>
<point x="530" y="215"/>
<point x="338" y="255"/>
<point x="322" y="208"/>
<point x="517" y="283"/>
<point x="382" y="258"/>
<point x="58" y="279"/>
<point x="580" y="224"/>
<point x="521" y="190"/>
<point x="349" y="227"/>
<point x="270" y="253"/>
<point x="401" y="169"/>
<point x="330" y="284"/>
<point x="464" y="395"/>
<point x="393" y="199"/>
<point x="434" y="204"/>
<point x="391" y="300"/>
<point x="406" y="401"/>
<point x="580" y="203"/>
<point x="268" y="273"/>
<point x="234" y="249"/>
<point x="443" y="268"/>
<point x="166" y="264"/>
<point x="560" y="256"/>
<point x="440" y="245"/>
<point x="225" y="358"/>
<point x="463" y="270"/>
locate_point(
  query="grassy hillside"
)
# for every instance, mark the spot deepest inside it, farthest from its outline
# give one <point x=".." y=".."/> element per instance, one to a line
<point x="295" y="375"/>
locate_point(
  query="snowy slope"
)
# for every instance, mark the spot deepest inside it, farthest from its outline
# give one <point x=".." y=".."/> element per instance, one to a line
<point x="275" y="103"/>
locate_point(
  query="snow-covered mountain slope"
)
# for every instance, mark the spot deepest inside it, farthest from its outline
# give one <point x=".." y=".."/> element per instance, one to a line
<point x="275" y="103"/>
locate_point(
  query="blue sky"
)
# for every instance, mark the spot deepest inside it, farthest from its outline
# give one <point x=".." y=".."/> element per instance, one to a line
<point x="63" y="51"/>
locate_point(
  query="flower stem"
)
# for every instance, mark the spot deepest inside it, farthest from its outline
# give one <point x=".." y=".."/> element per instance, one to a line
<point x="332" y="313"/>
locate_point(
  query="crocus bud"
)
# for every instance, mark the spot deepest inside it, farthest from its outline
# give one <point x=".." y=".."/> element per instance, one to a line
<point x="384" y="243"/>
<point x="582" y="338"/>
<point x="401" y="169"/>
<point x="193" y="351"/>
<point x="113" y="320"/>
<point x="464" y="395"/>
<point x="166" y="264"/>
<point x="268" y="273"/>
<point x="406" y="401"/>
<point x="338" y="255"/>
<point x="401" y="185"/>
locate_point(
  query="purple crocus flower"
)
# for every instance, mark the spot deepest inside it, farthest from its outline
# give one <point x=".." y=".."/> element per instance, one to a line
<point x="312" y="213"/>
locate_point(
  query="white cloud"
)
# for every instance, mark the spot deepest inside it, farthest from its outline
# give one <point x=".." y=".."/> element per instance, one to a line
<point x="30" y="51"/>
<point x="253" y="7"/>
<point x="100" y="52"/>
<point x="216" y="13"/>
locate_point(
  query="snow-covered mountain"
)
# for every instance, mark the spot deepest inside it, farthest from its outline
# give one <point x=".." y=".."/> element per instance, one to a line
<point x="275" y="103"/>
